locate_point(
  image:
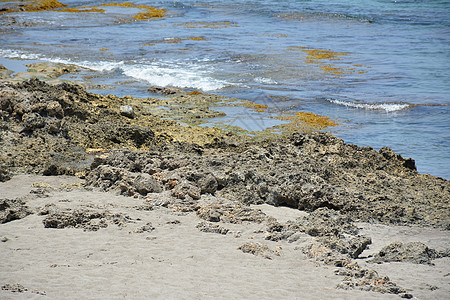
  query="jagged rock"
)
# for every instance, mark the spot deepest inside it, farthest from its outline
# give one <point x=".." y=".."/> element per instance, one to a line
<point x="81" y="218"/>
<point x="210" y="227"/>
<point x="184" y="189"/>
<point x="259" y="249"/>
<point x="164" y="91"/>
<point x="12" y="209"/>
<point x="414" y="252"/>
<point x="230" y="213"/>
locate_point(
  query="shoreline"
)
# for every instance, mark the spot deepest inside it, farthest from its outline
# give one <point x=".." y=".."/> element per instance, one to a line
<point x="287" y="199"/>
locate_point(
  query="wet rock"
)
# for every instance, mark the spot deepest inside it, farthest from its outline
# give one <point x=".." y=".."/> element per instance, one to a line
<point x="5" y="73"/>
<point x="12" y="209"/>
<point x="165" y="91"/>
<point x="414" y="252"/>
<point x="210" y="227"/>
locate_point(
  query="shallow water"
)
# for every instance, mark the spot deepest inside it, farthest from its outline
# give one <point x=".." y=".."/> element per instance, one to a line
<point x="379" y="67"/>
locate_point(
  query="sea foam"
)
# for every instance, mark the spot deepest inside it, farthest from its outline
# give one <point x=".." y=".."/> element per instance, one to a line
<point x="178" y="76"/>
<point x="160" y="74"/>
<point x="388" y="107"/>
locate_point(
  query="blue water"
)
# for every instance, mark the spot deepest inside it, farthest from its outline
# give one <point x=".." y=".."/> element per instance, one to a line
<point x="395" y="58"/>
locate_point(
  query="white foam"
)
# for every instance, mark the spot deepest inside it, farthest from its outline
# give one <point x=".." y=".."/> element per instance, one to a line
<point x="182" y="75"/>
<point x="178" y="76"/>
<point x="6" y="53"/>
<point x="264" y="80"/>
<point x="388" y="107"/>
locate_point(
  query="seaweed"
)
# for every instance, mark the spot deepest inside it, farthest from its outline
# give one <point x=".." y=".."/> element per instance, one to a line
<point x="321" y="57"/>
<point x="34" y="6"/>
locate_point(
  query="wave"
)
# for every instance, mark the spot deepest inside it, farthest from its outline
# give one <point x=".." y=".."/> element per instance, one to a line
<point x="174" y="75"/>
<point x="388" y="107"/>
<point x="160" y="73"/>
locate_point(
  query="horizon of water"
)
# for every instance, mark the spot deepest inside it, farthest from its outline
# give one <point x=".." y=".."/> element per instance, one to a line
<point x="378" y="67"/>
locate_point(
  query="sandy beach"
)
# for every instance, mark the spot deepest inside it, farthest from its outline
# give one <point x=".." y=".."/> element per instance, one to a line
<point x="161" y="254"/>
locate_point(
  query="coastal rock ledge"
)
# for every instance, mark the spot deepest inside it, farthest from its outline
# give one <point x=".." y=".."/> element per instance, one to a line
<point x="62" y="129"/>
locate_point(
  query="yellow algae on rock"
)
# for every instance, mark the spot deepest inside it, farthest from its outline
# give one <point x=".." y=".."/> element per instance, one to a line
<point x="319" y="54"/>
<point x="258" y="107"/>
<point x="33" y="5"/>
<point x="304" y="122"/>
<point x="82" y="9"/>
<point x="309" y="117"/>
<point x="324" y="57"/>
<point x="194" y="93"/>
<point x="197" y="38"/>
<point x="149" y="12"/>
<point x="331" y="69"/>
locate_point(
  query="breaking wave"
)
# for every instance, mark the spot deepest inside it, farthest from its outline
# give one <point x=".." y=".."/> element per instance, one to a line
<point x="388" y="107"/>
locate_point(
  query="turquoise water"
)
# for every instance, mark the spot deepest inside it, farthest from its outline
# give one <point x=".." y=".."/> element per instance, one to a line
<point x="386" y="78"/>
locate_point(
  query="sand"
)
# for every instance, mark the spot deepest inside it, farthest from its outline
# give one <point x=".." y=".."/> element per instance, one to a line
<point x="171" y="259"/>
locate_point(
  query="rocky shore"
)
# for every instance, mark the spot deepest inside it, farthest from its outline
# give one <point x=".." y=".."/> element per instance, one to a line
<point x="228" y="185"/>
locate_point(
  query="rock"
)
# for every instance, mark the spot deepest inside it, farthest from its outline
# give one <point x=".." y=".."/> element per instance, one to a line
<point x="184" y="189"/>
<point x="230" y="213"/>
<point x="414" y="252"/>
<point x="352" y="246"/>
<point x="127" y="111"/>
<point x="209" y="213"/>
<point x="5" y="73"/>
<point x="4" y="174"/>
<point x="258" y="249"/>
<point x="208" y="184"/>
<point x="145" y="183"/>
<point x="48" y="128"/>
<point x="54" y="109"/>
<point x="12" y="209"/>
<point x="15" y="288"/>
<point x="32" y="121"/>
<point x="210" y="227"/>
<point x="368" y="280"/>
<point x="164" y="91"/>
<point x="89" y="220"/>
<point x="146" y="228"/>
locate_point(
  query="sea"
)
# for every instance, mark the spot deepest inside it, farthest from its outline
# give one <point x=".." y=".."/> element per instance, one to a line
<point x="380" y="68"/>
